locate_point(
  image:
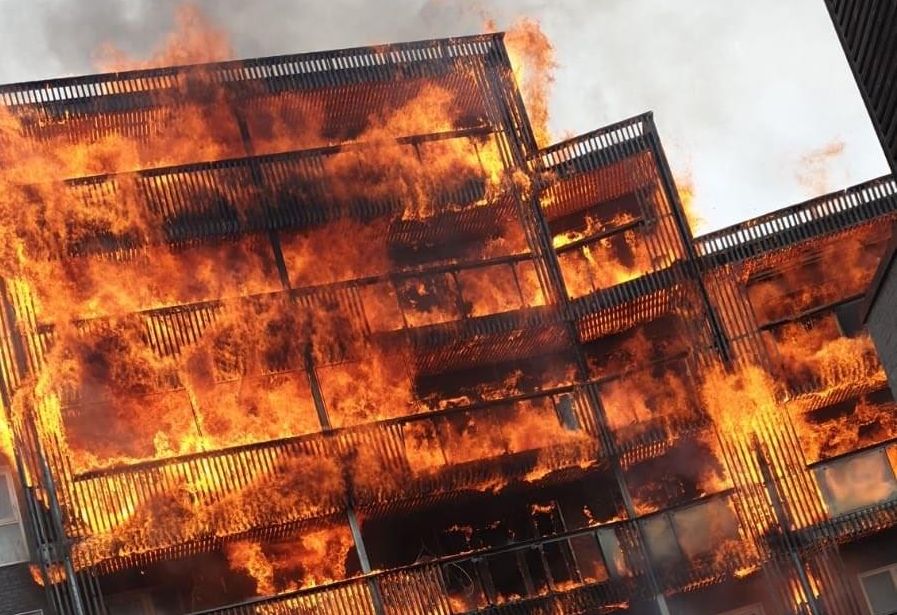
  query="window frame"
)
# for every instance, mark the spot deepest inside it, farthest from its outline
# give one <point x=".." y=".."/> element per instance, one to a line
<point x="892" y="568"/>
<point x="16" y="518"/>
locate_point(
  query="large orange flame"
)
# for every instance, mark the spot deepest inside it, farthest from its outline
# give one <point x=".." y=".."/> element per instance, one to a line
<point x="532" y="56"/>
<point x="193" y="40"/>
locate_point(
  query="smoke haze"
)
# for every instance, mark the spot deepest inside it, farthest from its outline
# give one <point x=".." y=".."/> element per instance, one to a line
<point x="743" y="92"/>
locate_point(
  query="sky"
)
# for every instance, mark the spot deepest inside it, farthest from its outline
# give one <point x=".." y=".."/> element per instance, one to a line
<point x="754" y="101"/>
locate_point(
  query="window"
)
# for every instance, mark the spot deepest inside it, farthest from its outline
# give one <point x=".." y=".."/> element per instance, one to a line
<point x="617" y="564"/>
<point x="880" y="590"/>
<point x="692" y="533"/>
<point x="702" y="528"/>
<point x="13" y="549"/>
<point x="850" y="317"/>
<point x="661" y="541"/>
<point x="857" y="481"/>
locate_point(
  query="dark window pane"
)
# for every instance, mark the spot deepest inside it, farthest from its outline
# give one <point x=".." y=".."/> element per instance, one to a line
<point x="6" y="511"/>
<point x="881" y="592"/>
<point x="850" y="317"/>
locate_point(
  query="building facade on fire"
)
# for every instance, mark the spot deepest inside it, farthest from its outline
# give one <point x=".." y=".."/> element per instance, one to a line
<point x="330" y="333"/>
<point x="868" y="33"/>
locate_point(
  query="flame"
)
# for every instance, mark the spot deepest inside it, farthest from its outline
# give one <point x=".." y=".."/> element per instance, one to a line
<point x="248" y="371"/>
<point x="313" y="558"/>
<point x="865" y="424"/>
<point x="55" y="573"/>
<point x="249" y="557"/>
<point x="827" y="271"/>
<point x="762" y="450"/>
<point x="617" y="246"/>
<point x="6" y="438"/>
<point x="194" y="39"/>
<point x="799" y="594"/>
<point x="107" y="367"/>
<point x="820" y="358"/>
<point x="637" y="399"/>
<point x="610" y="261"/>
<point x="685" y="184"/>
<point x="533" y="61"/>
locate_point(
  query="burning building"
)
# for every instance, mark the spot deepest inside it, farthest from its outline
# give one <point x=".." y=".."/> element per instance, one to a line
<point x="330" y="333"/>
<point x="868" y="33"/>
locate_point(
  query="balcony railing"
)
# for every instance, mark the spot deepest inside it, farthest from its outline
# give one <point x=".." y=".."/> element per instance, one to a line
<point x="815" y="218"/>
<point x="463" y="584"/>
<point x="298" y="71"/>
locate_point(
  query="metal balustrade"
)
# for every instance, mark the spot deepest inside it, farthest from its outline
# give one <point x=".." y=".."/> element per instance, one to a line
<point x="813" y="219"/>
<point x="457" y="585"/>
<point x="230" y="480"/>
<point x="315" y="70"/>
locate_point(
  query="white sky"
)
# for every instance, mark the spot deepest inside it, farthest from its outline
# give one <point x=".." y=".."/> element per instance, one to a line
<point x="742" y="90"/>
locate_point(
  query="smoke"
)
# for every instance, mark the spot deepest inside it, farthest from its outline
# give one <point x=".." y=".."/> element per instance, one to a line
<point x="734" y="98"/>
<point x="814" y="171"/>
<point x="59" y="37"/>
<point x="193" y="39"/>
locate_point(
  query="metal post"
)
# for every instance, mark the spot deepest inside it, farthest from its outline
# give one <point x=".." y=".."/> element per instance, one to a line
<point x="784" y="522"/>
<point x="694" y="269"/>
<point x="56" y="515"/>
<point x="45" y="549"/>
<point x="315" y="386"/>
<point x="310" y="371"/>
<point x="544" y="250"/>
<point x="273" y="237"/>
<point x="354" y="526"/>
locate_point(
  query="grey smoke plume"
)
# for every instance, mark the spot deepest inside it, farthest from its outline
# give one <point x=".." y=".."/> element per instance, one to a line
<point x="742" y="91"/>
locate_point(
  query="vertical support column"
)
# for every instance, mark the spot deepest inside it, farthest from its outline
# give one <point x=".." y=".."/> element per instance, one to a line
<point x="59" y="527"/>
<point x="632" y="515"/>
<point x="315" y="386"/>
<point x="352" y="517"/>
<point x="694" y="268"/>
<point x="273" y="237"/>
<point x="522" y="154"/>
<point x="784" y="523"/>
<point x="52" y="542"/>
<point x="363" y="558"/>
<point x="526" y="157"/>
<point x="310" y="371"/>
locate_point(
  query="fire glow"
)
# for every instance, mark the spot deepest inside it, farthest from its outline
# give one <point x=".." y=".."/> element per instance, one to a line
<point x="262" y="378"/>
